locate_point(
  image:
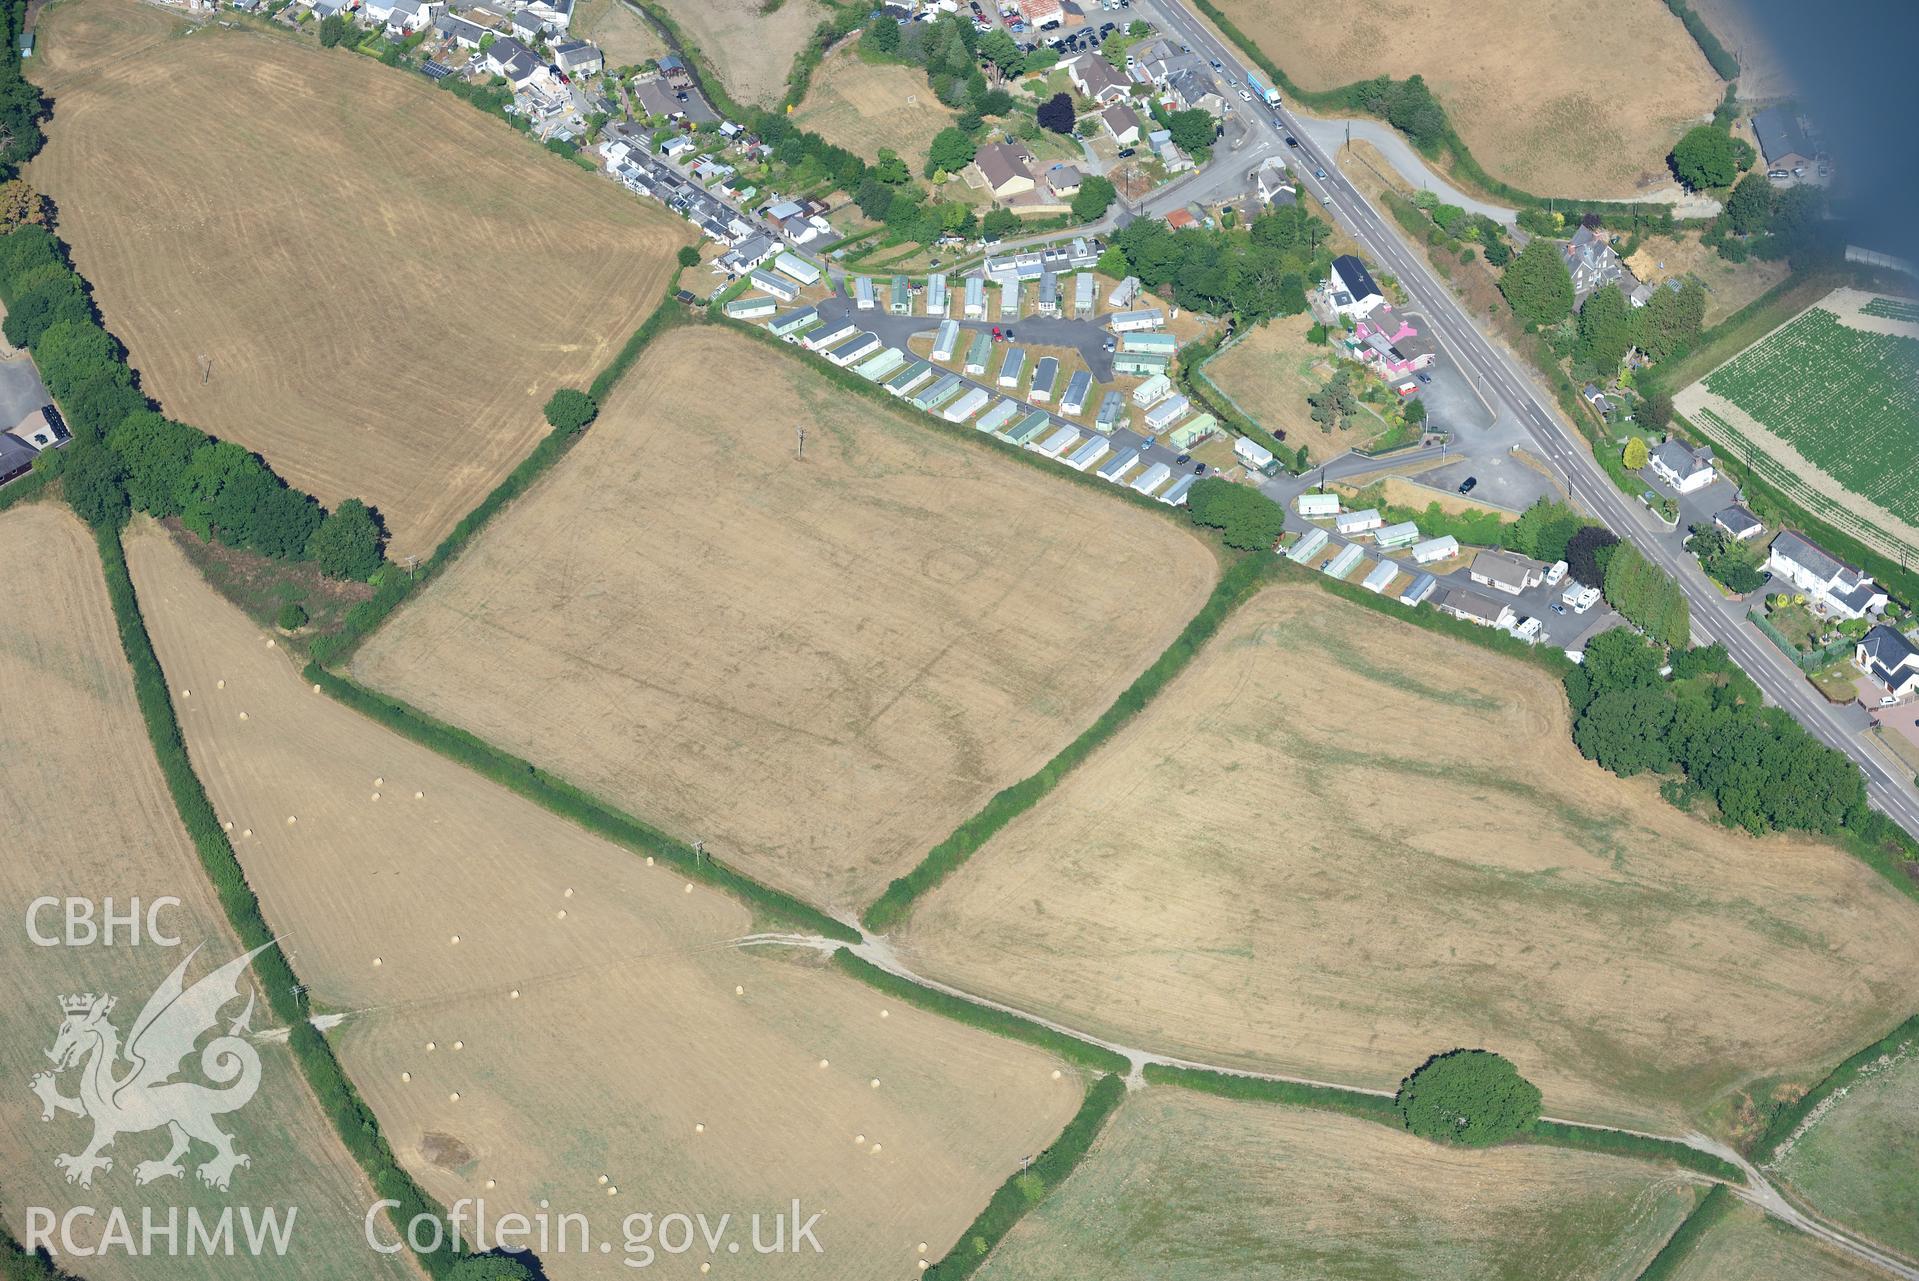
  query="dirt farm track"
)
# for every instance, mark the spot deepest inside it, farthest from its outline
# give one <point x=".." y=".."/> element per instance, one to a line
<point x="387" y="282"/>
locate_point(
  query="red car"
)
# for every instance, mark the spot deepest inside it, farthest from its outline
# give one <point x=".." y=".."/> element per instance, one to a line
<point x="995" y="333"/>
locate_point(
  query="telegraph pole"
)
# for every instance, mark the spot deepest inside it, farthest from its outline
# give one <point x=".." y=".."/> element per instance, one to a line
<point x="799" y="446"/>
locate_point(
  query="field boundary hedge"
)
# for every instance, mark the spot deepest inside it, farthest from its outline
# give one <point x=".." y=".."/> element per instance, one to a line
<point x="1716" y="1204"/>
<point x="984" y="1017"/>
<point x="358" y="1128"/>
<point x="1645" y="1147"/>
<point x="577" y="806"/>
<point x="1240" y="581"/>
<point x="1788" y="1118"/>
<point x="24" y="490"/>
<point x="1021" y="1192"/>
<point x="399" y="585"/>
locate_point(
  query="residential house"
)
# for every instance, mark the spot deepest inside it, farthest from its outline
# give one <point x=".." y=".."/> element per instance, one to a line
<point x="655" y="98"/>
<point x="408" y="17"/>
<point x="324" y="9"/>
<point x="1889" y="658"/>
<point x="1443" y="547"/>
<point x="1181" y="219"/>
<point x="1738" y="522"/>
<point x="1683" y="468"/>
<point x="1063" y="180"/>
<point x="1394" y="351"/>
<point x="1350" y="288"/>
<point x="528" y="25"/>
<point x="1593" y="262"/>
<point x="16" y="457"/>
<point x="458" y="31"/>
<point x="1097" y="79"/>
<point x="1175" y="160"/>
<point x="1122" y="124"/>
<point x="1274" y="185"/>
<point x="577" y="58"/>
<point x="748" y="254"/>
<point x="1191" y="87"/>
<point x="673" y="67"/>
<point x="1506" y="572"/>
<point x="509" y="58"/>
<point x="1596" y="398"/>
<point x="1475" y="608"/>
<point x="1783" y="142"/>
<point x="1003" y="168"/>
<point x="1832" y="586"/>
<point x="1041" y="14"/>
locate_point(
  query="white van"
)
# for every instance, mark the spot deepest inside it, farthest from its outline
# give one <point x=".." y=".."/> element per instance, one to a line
<point x="1557" y="572"/>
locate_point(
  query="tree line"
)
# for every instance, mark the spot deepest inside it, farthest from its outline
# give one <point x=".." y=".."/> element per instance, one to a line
<point x="1254" y="273"/>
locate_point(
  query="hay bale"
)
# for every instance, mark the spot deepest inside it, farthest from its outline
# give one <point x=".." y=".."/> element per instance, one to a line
<point x="406" y="1076"/>
<point x="876" y="1149"/>
<point x="699" y="1128"/>
<point x="453" y="1097"/>
<point x="875" y="1083"/>
<point x="226" y="827"/>
<point x="569" y="892"/>
<point x="379" y="782"/>
<point x="886" y="1014"/>
<point x="270" y="642"/>
<point x="291" y="820"/>
<point x="243" y="715"/>
<point x="419" y="796"/>
<point x="1056" y="1074"/>
<point x="738" y="990"/>
<point x="515" y="994"/>
<point x="246" y="833"/>
<point x="186" y="693"/>
<point x="822" y="1063"/>
<point x="603" y="1180"/>
<point x="431" y="1046"/>
<point x="219" y="684"/>
<point x="376" y="962"/>
<point x="859" y="1140"/>
<point x="374" y="797"/>
<point x="612" y="1191"/>
<point x="489" y="1184"/>
<point x="459" y="1045"/>
<point x="649" y="860"/>
<point x="689" y="887"/>
<point x="560" y="915"/>
<point x="454" y="939"/>
<point x="316" y="689"/>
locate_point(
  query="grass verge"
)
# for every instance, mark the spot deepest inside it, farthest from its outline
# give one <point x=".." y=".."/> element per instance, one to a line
<point x="986" y="1018"/>
<point x="1788" y="1118"/>
<point x="1240" y="581"/>
<point x="358" y="1128"/>
<point x="1666" y="1263"/>
<point x="1023" y="1191"/>
<point x="570" y="802"/>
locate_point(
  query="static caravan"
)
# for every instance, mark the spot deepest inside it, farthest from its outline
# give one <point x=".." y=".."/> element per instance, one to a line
<point x="975" y="298"/>
<point x="1088" y="454"/>
<point x="1142" y="364"/>
<point x="766" y="281"/>
<point x="861" y="344"/>
<point x="1435" y="549"/>
<point x="936" y="294"/>
<point x="1192" y="431"/>
<point x="1421" y="587"/>
<point x="794" y="322"/>
<point x="1078" y="388"/>
<point x="909" y="378"/>
<point x="1403" y="534"/>
<point x="863" y="293"/>
<point x="1358" y="522"/>
<point x="1045" y="376"/>
<point x="978" y="352"/>
<point x="1112" y="411"/>
<point x="1383" y="574"/>
<point x="1341" y="565"/>
<point x="1307" y="547"/>
<point x="1056" y="443"/>
<point x="798" y="268"/>
<point x="1028" y="427"/>
<point x="946" y="341"/>
<point x="900" y="302"/>
<point x="1175" y="494"/>
<point x="881" y="365"/>
<point x="752" y="308"/>
<point x="1152" y="478"/>
<point x="1115" y="469"/>
<point x="1085" y="294"/>
<point x="1012" y="367"/>
<point x="943" y="389"/>
<point x="1048" y="304"/>
<point x="1128" y="322"/>
<point x="826" y="337"/>
<point x="1166" y="413"/>
<point x="1155" y="388"/>
<point x="1317" y="506"/>
<point x="1255" y="456"/>
<point x="1164" y="343"/>
<point x="1009" y="300"/>
<point x="998" y="416"/>
<point x="966" y="406"/>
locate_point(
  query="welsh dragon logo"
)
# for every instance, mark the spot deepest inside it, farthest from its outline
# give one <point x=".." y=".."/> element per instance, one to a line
<point x="131" y="1089"/>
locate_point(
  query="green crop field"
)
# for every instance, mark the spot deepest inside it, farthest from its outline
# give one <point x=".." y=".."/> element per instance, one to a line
<point x="1893" y="309"/>
<point x="1843" y="397"/>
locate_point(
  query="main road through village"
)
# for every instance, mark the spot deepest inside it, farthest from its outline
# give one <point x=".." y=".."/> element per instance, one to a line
<point x="1500" y="377"/>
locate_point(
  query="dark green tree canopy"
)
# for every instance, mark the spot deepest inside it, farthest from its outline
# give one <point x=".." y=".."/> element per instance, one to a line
<point x="570" y="409"/>
<point x="1056" y="113"/>
<point x="349" y="542"/>
<point x="1705" y="157"/>
<point x="1470" y="1097"/>
<point x="1246" y="518"/>
<point x="1537" y="284"/>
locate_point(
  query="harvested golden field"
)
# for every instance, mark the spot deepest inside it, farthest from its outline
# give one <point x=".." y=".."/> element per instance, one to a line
<point x="1269" y="374"/>
<point x="864" y="106"/>
<point x="1749" y="1245"/>
<point x="1187" y="1187"/>
<point x="71" y="725"/>
<point x="388" y="283"/>
<point x="530" y="1008"/>
<point x="1729" y="286"/>
<point x="1555" y="99"/>
<point x="751" y="50"/>
<point x="818" y="668"/>
<point x="624" y="36"/>
<point x="1338" y="843"/>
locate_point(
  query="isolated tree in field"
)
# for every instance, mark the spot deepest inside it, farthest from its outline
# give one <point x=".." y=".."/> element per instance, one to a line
<point x="1705" y="157"/>
<point x="1749" y="207"/>
<point x="1415" y="411"/>
<point x="950" y="152"/>
<point x="570" y="410"/>
<point x="348" y="543"/>
<point x="1094" y="197"/>
<point x="1607" y="328"/>
<point x="1537" y="285"/>
<point x="1056" y="114"/>
<point x="1474" y="1098"/>
<point x="689" y="256"/>
<point x="292" y="617"/>
<point x="1334" y="403"/>
<point x="1635" y="455"/>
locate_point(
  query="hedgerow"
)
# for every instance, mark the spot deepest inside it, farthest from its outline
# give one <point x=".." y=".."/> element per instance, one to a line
<point x="1788" y="1118"/>
<point x="984" y="1017"/>
<point x="1253" y="1089"/>
<point x="1717" y="1204"/>
<point x="1560" y="1134"/>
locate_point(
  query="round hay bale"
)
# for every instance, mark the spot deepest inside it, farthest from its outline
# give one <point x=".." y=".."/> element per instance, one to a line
<point x="243" y="715"/>
<point x="376" y="962"/>
<point x="374" y="797"/>
<point x="603" y="1180"/>
<point x="561" y="914"/>
<point x="515" y="994"/>
<point x="886" y="1014"/>
<point x="876" y="1149"/>
<point x="859" y="1140"/>
<point x="269" y="642"/>
<point x="246" y="832"/>
<point x="822" y="1063"/>
<point x="186" y="693"/>
<point x="219" y="684"/>
<point x="489" y="1184"/>
<point x="699" y="1128"/>
<point x="453" y="1097"/>
<point x="924" y="1265"/>
<point x="406" y="1076"/>
<point x="459" y="1045"/>
<point x="612" y="1191"/>
<point x="454" y="939"/>
<point x="432" y="1046"/>
<point x="316" y="689"/>
<point x="291" y="820"/>
<point x="875" y="1083"/>
<point x="689" y="887"/>
<point x="738" y="990"/>
<point x="922" y="1247"/>
<point x="226" y="827"/>
<point x="379" y="782"/>
<point x="419" y="796"/>
<point x="1056" y="1074"/>
<point x="569" y="892"/>
<point x="705" y="1268"/>
<point x="649" y="860"/>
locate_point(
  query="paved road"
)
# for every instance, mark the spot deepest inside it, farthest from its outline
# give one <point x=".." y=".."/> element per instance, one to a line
<point x="1502" y="378"/>
<point x="1330" y="135"/>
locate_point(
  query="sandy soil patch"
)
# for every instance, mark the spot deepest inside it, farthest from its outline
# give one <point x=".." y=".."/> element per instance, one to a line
<point x="1749" y="1246"/>
<point x="1602" y="104"/>
<point x="70" y="725"/>
<point x="752" y="51"/>
<point x="818" y="668"/>
<point x="1185" y="1187"/>
<point x="389" y="283"/>
<point x="1338" y="843"/>
<point x="864" y="106"/>
<point x="641" y="1045"/>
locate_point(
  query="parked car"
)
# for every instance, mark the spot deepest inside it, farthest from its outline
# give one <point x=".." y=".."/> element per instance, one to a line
<point x="1124" y="152"/>
<point x="996" y="339"/>
<point x="1424" y="376"/>
<point x="1469" y="484"/>
<point x="1199" y="469"/>
<point x="1216" y="66"/>
<point x="1319" y="173"/>
<point x="1009" y="335"/>
<point x="1184" y="458"/>
<point x="1557" y="608"/>
<point x="1245" y="93"/>
<point x="1291" y="141"/>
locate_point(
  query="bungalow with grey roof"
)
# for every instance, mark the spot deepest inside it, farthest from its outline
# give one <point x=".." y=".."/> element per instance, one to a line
<point x="1738" y="522"/>
<point x="1832" y="586"/>
<point x="1890" y="659"/>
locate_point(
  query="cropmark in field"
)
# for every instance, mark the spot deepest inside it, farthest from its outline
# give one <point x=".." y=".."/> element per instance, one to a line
<point x="543" y="1020"/>
<point x="1338" y="843"/>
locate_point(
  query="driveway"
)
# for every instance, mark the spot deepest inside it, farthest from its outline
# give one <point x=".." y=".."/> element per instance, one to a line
<point x="21" y="391"/>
